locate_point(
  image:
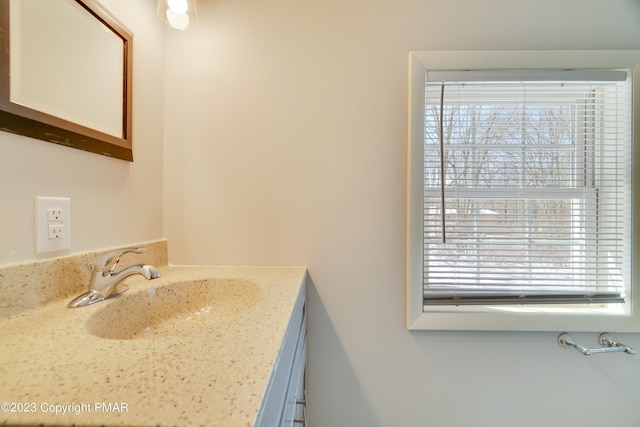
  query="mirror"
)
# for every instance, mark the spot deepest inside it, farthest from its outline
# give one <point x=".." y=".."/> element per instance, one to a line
<point x="65" y="75"/>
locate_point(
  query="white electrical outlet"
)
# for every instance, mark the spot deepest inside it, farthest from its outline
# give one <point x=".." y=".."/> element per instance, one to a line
<point x="54" y="214"/>
<point x="53" y="224"/>
<point x="55" y="232"/>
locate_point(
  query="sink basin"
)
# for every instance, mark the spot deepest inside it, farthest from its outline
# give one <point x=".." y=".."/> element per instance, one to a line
<point x="174" y="309"/>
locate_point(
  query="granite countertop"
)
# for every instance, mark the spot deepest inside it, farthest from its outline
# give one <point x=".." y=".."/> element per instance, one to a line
<point x="217" y="376"/>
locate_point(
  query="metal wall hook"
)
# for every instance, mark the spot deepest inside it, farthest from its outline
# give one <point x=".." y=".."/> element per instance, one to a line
<point x="607" y="343"/>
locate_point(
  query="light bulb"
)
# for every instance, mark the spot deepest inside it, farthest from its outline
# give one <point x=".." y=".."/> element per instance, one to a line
<point x="179" y="7"/>
<point x="178" y="21"/>
<point x="178" y="14"/>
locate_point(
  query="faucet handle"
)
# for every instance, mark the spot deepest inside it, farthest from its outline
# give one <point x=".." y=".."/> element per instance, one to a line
<point x="108" y="261"/>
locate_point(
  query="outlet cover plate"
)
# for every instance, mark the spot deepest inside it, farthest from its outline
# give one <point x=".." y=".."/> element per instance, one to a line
<point x="46" y="240"/>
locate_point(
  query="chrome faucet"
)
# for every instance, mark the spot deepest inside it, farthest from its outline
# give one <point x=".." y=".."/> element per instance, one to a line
<point x="105" y="279"/>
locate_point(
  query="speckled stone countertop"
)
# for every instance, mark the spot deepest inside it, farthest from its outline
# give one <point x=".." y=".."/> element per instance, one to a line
<point x="50" y="361"/>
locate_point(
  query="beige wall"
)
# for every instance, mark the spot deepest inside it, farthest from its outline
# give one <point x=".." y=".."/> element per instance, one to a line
<point x="113" y="202"/>
<point x="284" y="143"/>
<point x="285" y="140"/>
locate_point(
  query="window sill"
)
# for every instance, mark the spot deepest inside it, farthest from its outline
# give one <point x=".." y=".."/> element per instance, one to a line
<point x="504" y="320"/>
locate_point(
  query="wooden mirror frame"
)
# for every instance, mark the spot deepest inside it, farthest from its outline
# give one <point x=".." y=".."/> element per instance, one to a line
<point x="18" y="119"/>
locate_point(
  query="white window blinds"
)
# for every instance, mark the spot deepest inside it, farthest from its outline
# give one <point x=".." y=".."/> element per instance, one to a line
<point x="527" y="187"/>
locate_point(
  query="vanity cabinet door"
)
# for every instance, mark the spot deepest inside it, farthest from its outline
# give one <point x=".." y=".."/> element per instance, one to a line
<point x="300" y="415"/>
<point x="288" y="371"/>
<point x="294" y="409"/>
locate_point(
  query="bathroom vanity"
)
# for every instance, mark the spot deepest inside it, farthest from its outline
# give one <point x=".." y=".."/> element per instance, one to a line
<point x="201" y="361"/>
<point x="284" y="403"/>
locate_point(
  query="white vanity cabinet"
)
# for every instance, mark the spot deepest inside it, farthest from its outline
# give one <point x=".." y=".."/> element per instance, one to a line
<point x="284" y="403"/>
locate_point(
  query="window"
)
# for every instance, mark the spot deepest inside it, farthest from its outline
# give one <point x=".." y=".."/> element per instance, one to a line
<point x="520" y="191"/>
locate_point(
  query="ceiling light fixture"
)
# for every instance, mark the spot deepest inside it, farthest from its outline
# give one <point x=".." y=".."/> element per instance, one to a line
<point x="178" y="14"/>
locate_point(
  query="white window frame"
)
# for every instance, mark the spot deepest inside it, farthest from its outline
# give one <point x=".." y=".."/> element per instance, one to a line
<point x="474" y="318"/>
